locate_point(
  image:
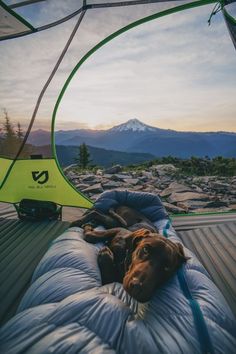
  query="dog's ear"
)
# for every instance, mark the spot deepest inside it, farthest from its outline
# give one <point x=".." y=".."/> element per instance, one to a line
<point x="177" y="257"/>
<point x="181" y="254"/>
<point x="133" y="240"/>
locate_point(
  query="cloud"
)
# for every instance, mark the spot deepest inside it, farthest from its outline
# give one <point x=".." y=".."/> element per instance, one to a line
<point x="174" y="72"/>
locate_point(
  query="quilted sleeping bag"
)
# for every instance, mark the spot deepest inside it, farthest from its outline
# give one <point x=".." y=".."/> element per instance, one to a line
<point x="67" y="310"/>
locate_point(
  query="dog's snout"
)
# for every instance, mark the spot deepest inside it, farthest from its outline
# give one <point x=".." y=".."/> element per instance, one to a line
<point x="135" y="284"/>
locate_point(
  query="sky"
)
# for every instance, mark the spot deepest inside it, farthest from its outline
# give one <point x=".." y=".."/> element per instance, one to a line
<point x="175" y="72"/>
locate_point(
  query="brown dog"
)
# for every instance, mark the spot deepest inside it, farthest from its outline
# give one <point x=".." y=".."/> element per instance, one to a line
<point x="141" y="260"/>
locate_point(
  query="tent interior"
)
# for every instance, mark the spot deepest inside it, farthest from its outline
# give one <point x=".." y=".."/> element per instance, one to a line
<point x="75" y="33"/>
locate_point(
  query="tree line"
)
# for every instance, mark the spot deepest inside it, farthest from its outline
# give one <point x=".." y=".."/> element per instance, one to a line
<point x="11" y="138"/>
<point x="193" y="166"/>
<point x="196" y="166"/>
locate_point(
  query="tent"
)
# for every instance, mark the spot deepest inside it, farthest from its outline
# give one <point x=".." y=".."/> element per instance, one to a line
<point x="27" y="24"/>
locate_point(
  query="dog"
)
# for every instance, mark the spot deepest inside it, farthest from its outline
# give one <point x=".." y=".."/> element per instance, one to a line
<point x="140" y="258"/>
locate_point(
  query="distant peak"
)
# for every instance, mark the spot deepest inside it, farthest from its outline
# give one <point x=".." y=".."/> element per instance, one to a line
<point x="133" y="125"/>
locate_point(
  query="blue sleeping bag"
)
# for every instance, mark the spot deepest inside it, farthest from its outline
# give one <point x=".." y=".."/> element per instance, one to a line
<point x="67" y="310"/>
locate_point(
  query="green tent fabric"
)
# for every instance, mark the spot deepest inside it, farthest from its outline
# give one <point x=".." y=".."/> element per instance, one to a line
<point x="42" y="180"/>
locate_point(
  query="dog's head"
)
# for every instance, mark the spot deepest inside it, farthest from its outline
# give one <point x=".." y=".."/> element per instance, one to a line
<point x="154" y="260"/>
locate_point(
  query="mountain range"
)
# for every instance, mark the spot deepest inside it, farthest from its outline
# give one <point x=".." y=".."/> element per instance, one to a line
<point x="137" y="137"/>
<point x="100" y="157"/>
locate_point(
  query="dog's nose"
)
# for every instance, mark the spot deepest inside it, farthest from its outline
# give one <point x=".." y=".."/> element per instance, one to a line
<point x="135" y="284"/>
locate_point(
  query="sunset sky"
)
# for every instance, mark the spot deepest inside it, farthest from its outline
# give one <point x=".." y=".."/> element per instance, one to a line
<point x="175" y="72"/>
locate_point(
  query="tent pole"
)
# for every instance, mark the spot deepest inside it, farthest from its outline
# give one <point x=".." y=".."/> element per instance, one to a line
<point x="24" y="3"/>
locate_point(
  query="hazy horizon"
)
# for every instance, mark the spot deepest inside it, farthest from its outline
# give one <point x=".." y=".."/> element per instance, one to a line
<point x="104" y="129"/>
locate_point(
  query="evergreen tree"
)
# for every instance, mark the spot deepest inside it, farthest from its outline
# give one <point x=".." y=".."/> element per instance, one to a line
<point x="8" y="129"/>
<point x="11" y="139"/>
<point x="27" y="149"/>
<point x="10" y="144"/>
<point x="83" y="159"/>
<point x="19" y="132"/>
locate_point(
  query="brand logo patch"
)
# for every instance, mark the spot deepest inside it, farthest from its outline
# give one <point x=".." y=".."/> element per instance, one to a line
<point x="40" y="176"/>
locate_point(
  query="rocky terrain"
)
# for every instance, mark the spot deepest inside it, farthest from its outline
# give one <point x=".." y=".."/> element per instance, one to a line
<point x="179" y="193"/>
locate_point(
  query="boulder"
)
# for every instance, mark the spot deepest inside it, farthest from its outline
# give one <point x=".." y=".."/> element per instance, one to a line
<point x="173" y="208"/>
<point x="181" y="197"/>
<point x="81" y="186"/>
<point x="217" y="204"/>
<point x="96" y="188"/>
<point x="232" y="207"/>
<point x="73" y="176"/>
<point x="111" y="185"/>
<point x="231" y="201"/>
<point x="68" y="168"/>
<point x="232" y="191"/>
<point x="143" y="178"/>
<point x="99" y="172"/>
<point x="88" y="178"/>
<point x="196" y="188"/>
<point x="166" y="169"/>
<point x="94" y="197"/>
<point x="107" y="175"/>
<point x="147" y="174"/>
<point x="219" y="186"/>
<point x="212" y="210"/>
<point x="113" y="169"/>
<point x="149" y="189"/>
<point x="138" y="188"/>
<point x="132" y="181"/>
<point x="196" y="204"/>
<point x="175" y="187"/>
<point x="203" y="179"/>
<point x="120" y="177"/>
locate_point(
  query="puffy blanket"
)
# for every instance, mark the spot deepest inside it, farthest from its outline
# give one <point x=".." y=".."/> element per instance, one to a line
<point x="67" y="310"/>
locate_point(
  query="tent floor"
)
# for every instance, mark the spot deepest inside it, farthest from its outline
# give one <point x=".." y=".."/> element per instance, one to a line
<point x="23" y="244"/>
<point x="215" y="247"/>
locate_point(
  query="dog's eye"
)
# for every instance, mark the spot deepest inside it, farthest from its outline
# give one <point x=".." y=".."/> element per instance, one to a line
<point x="143" y="252"/>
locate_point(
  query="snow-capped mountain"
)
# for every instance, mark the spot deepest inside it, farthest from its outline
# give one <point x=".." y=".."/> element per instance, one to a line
<point x="135" y="136"/>
<point x="134" y="125"/>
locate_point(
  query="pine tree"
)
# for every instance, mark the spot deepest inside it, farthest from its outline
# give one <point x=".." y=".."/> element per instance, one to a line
<point x="83" y="158"/>
<point x="19" y="132"/>
<point x="27" y="149"/>
<point x="11" y="139"/>
<point x="10" y="144"/>
<point x="7" y="127"/>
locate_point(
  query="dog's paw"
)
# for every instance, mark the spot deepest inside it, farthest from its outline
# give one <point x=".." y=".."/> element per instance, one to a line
<point x="105" y="256"/>
<point x="106" y="265"/>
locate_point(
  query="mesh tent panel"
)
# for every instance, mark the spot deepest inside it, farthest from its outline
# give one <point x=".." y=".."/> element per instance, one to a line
<point x="42" y="13"/>
<point x="41" y="51"/>
<point x="10" y="25"/>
